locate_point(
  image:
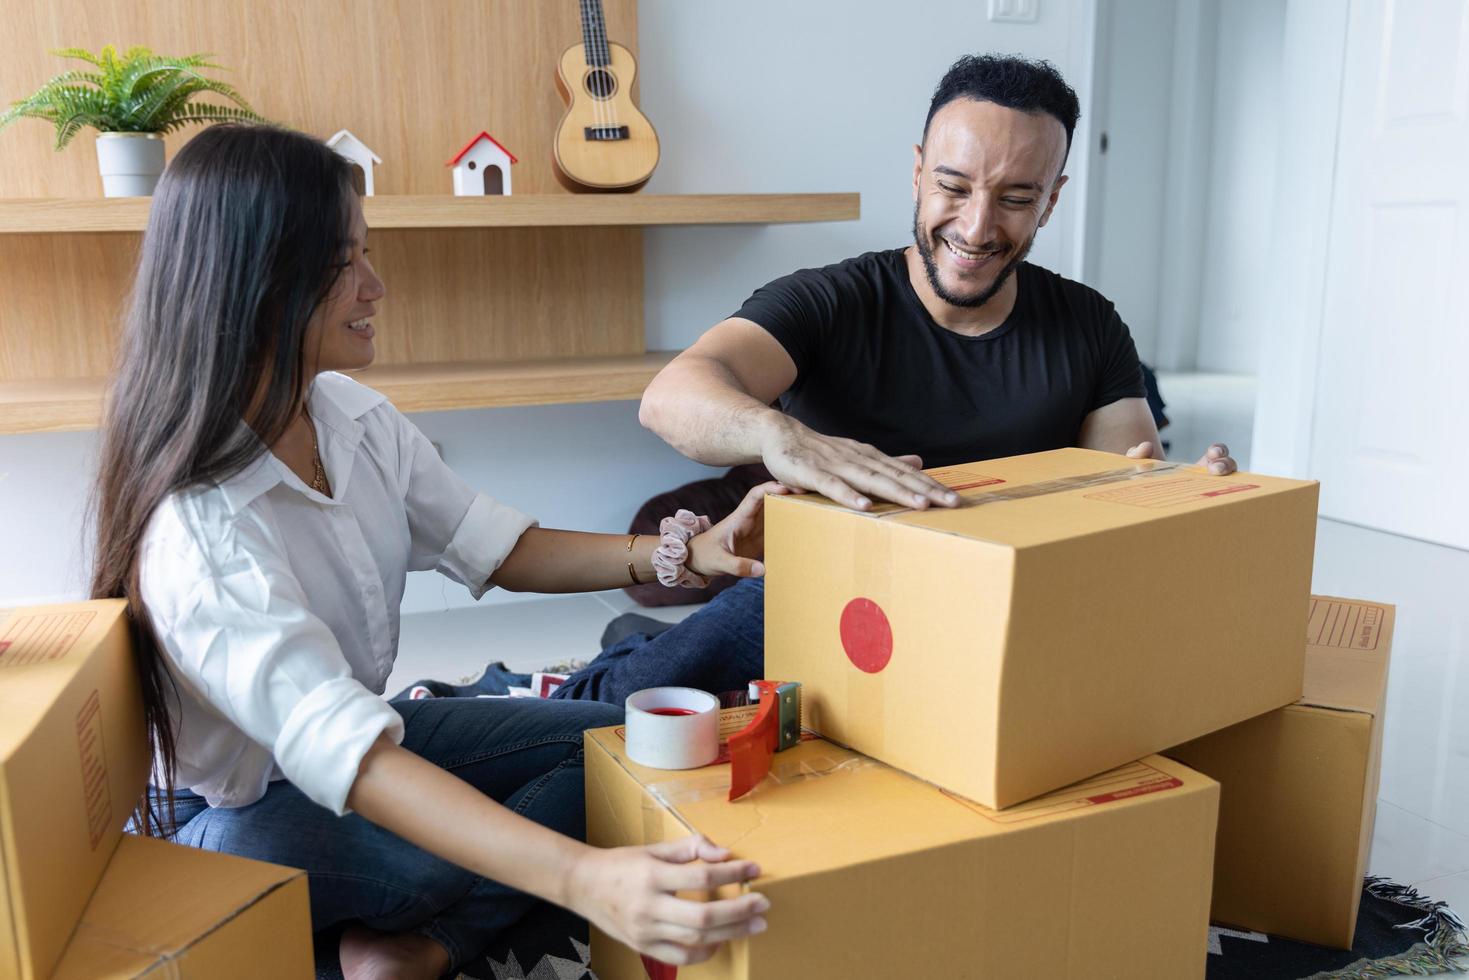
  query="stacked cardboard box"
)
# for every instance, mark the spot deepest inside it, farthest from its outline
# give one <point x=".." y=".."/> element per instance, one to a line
<point x="78" y="897"/>
<point x="1300" y="785"/>
<point x="73" y="762"/>
<point x="1077" y="613"/>
<point x="873" y="873"/>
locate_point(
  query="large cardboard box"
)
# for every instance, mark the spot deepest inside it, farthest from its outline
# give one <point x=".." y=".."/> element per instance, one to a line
<point x="1079" y="611"/>
<point x="73" y="762"/>
<point x="166" y="910"/>
<point x="873" y="873"/>
<point x="1299" y="785"/>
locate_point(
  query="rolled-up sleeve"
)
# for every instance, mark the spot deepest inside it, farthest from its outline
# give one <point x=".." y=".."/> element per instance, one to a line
<point x="234" y="626"/>
<point x="464" y="534"/>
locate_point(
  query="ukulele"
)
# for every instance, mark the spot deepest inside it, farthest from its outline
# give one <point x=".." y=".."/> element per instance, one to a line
<point x="603" y="143"/>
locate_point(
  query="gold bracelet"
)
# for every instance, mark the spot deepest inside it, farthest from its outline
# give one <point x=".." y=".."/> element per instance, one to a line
<point x="632" y="572"/>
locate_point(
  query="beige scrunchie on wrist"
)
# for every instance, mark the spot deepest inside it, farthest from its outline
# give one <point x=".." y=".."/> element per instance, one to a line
<point x="670" y="560"/>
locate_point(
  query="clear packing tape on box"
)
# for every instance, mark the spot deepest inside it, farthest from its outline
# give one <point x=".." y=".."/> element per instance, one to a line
<point x="666" y="797"/>
<point x="953" y="477"/>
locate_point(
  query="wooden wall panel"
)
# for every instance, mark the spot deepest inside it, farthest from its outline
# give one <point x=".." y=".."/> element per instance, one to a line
<point x="415" y="81"/>
<point x="493" y="294"/>
<point x="60" y="299"/>
<point x="509" y="294"/>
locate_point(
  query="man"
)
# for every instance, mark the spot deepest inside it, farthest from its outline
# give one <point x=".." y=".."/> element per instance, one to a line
<point x="950" y="350"/>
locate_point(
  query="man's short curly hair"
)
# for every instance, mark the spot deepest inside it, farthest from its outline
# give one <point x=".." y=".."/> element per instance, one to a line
<point x="1012" y="82"/>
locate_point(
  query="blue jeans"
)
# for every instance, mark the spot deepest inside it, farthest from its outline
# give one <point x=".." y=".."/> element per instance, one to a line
<point x="719" y="648"/>
<point x="527" y="754"/>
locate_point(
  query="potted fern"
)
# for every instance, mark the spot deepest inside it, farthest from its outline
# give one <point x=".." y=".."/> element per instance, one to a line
<point x="132" y="100"/>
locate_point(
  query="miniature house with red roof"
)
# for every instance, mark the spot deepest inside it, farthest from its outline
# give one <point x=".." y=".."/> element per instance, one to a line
<point x="482" y="167"/>
<point x="349" y="146"/>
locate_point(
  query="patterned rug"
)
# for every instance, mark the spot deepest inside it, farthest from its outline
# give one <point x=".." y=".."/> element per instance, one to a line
<point x="1399" y="933"/>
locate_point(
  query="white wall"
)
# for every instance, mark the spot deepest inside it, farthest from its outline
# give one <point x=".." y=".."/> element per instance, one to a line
<point x="822" y="95"/>
<point x="44" y="482"/>
<point x="1240" y="223"/>
<point x="761" y="96"/>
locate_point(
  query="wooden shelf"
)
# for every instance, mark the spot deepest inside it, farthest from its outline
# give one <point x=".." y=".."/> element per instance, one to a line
<point x="26" y="216"/>
<point x="72" y="405"/>
<point x="440" y="387"/>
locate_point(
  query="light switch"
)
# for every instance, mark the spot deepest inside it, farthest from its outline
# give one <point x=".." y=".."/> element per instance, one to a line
<point x="1014" y="11"/>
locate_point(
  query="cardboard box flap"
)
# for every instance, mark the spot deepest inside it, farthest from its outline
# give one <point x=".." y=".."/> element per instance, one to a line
<point x="165" y="910"/>
<point x="40" y="647"/>
<point x="812" y="789"/>
<point x="1023" y="501"/>
<point x="1347" y="644"/>
<point x="153" y="889"/>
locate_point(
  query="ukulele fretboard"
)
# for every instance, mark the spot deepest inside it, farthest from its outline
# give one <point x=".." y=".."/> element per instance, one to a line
<point x="594" y="34"/>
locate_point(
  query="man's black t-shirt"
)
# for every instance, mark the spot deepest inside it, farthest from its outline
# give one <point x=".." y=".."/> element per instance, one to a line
<point x="873" y="365"/>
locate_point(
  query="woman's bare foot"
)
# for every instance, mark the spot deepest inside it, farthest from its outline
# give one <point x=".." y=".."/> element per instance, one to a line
<point x="367" y="954"/>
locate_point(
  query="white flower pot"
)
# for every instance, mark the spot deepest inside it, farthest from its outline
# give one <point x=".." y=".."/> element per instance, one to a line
<point x="131" y="163"/>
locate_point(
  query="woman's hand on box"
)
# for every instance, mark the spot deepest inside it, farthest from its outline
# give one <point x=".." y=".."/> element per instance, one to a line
<point x="629" y="893"/>
<point x="736" y="544"/>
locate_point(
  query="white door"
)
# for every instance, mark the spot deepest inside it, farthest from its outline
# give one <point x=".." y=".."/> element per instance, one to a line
<point x="1390" y="434"/>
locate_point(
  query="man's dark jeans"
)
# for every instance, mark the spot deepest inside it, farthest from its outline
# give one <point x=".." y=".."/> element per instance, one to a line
<point x="719" y="648"/>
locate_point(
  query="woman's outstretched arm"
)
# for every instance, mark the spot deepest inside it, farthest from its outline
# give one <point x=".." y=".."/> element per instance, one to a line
<point x="546" y="560"/>
<point x="628" y="892"/>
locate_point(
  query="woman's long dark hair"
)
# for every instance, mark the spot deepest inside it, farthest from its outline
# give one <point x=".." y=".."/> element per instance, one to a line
<point x="245" y="238"/>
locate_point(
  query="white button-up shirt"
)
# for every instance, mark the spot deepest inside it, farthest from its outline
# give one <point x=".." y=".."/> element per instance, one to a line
<point x="277" y="607"/>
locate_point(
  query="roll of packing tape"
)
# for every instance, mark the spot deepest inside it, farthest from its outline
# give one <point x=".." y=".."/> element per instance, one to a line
<point x="672" y="728"/>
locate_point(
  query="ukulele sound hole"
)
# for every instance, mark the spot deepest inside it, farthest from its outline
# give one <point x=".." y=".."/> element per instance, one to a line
<point x="600" y="83"/>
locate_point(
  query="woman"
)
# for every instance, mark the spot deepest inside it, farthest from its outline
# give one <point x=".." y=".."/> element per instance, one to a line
<point x="259" y="512"/>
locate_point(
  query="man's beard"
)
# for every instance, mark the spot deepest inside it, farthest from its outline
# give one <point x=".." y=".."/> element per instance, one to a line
<point x="931" y="269"/>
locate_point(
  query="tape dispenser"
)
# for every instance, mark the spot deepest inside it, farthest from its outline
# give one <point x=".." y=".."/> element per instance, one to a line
<point x="775" y="728"/>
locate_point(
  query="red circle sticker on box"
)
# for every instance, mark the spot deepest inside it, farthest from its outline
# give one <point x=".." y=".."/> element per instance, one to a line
<point x="867" y="637"/>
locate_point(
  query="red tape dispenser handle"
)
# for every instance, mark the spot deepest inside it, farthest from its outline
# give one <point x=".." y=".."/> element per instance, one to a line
<point x="776" y="726"/>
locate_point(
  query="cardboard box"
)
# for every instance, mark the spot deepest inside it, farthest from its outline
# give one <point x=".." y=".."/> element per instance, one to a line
<point x="1081" y="610"/>
<point x="1299" y="786"/>
<point x="872" y="873"/>
<point x="74" y="761"/>
<point x="167" y="910"/>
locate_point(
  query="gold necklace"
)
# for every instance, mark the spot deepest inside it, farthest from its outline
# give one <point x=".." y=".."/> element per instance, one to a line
<point x="318" y="471"/>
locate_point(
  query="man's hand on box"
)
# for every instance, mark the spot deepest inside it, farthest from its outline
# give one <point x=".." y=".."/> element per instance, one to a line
<point x="736" y="544"/>
<point x="850" y="472"/>
<point x="1216" y="460"/>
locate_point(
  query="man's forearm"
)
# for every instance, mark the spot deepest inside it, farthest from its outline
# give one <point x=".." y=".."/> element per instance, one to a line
<point x="699" y="408"/>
